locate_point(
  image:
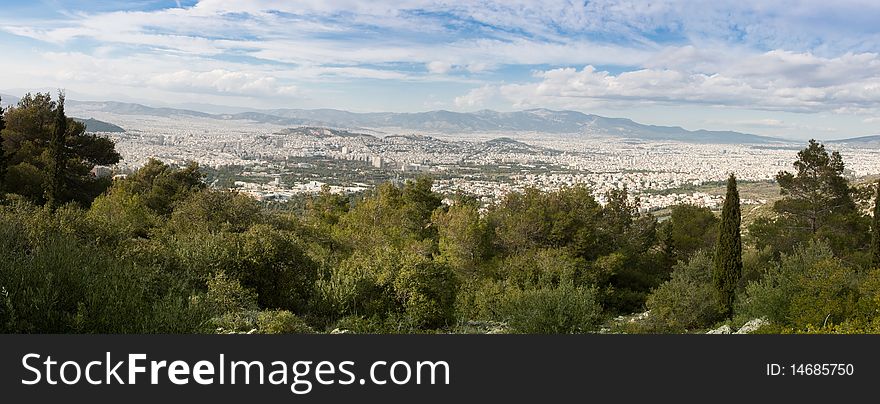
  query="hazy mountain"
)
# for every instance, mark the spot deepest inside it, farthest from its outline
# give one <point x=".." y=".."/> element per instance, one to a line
<point x="126" y="108"/>
<point x="94" y="125"/>
<point x="8" y="100"/>
<point x="533" y="120"/>
<point x="863" y="141"/>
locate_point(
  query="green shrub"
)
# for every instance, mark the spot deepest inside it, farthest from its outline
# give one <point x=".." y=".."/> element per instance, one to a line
<point x="226" y="295"/>
<point x="688" y="301"/>
<point x="258" y="322"/>
<point x="809" y="287"/>
<point x="281" y="322"/>
<point x="562" y="310"/>
<point x="428" y="290"/>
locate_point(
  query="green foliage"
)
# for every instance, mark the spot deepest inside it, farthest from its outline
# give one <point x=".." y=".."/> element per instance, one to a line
<point x="215" y="211"/>
<point x="269" y="261"/>
<point x="259" y="322"/>
<point x="50" y="156"/>
<point x="562" y="310"/>
<point x="57" y="151"/>
<point x="62" y="285"/>
<point x="464" y="239"/>
<point x="122" y="216"/>
<point x="393" y="282"/>
<point x="728" y="250"/>
<point x="810" y="287"/>
<point x="875" y="230"/>
<point x="161" y="186"/>
<point x="817" y="203"/>
<point x="226" y="295"/>
<point x="688" y="301"/>
<point x="536" y="219"/>
<point x="4" y="164"/>
<point x="689" y="229"/>
<point x="281" y="322"/>
<point x="427" y="289"/>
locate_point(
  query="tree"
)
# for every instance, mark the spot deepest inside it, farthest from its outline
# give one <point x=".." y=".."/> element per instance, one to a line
<point x="2" y="150"/>
<point x="688" y="301"/>
<point x="690" y="228"/>
<point x="817" y="203"/>
<point x="875" y="230"/>
<point x="419" y="203"/>
<point x="35" y="149"/>
<point x="463" y="237"/>
<point x="728" y="251"/>
<point x="57" y="156"/>
<point x="817" y="190"/>
<point x="326" y="208"/>
<point x="163" y="186"/>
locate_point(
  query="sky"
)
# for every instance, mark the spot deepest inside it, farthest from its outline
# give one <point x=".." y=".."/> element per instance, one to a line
<point x="796" y="69"/>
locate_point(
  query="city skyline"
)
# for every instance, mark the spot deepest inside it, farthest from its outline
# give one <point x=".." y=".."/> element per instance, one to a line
<point x="791" y="69"/>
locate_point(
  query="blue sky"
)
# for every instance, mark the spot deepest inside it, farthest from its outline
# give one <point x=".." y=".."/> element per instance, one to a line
<point x="797" y="69"/>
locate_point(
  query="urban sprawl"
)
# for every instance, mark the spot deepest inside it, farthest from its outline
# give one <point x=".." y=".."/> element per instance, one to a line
<point x="276" y="163"/>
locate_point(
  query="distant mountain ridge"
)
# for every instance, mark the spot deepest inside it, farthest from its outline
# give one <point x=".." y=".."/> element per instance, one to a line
<point x="94" y="125"/>
<point x="870" y="139"/>
<point x="442" y="121"/>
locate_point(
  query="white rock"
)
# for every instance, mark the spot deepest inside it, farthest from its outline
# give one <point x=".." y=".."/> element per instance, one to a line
<point x="724" y="329"/>
<point x="752" y="326"/>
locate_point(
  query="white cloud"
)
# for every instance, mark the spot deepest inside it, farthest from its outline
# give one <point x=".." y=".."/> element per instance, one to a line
<point x="222" y="82"/>
<point x="802" y="56"/>
<point x="476" y="97"/>
<point x="767" y="123"/>
<point x="438" y="67"/>
<point x="774" y="80"/>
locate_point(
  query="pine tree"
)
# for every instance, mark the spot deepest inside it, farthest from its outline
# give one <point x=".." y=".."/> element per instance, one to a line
<point x="875" y="230"/>
<point x="57" y="156"/>
<point x="728" y="250"/>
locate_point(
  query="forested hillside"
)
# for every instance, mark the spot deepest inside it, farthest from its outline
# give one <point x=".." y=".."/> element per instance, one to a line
<point x="160" y="252"/>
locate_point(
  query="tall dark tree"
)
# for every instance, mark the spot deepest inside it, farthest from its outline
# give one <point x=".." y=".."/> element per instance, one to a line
<point x="57" y="156"/>
<point x="875" y="230"/>
<point x="728" y="250"/>
<point x="3" y="163"/>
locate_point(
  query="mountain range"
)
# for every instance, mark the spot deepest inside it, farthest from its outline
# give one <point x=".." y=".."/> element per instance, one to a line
<point x="872" y="141"/>
<point x="487" y="121"/>
<point x="442" y="121"/>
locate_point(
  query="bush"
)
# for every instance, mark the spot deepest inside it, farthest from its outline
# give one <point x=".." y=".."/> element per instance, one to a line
<point x="281" y="322"/>
<point x="809" y="287"/>
<point x="63" y="286"/>
<point x="688" y="301"/>
<point x="565" y="309"/>
<point x="269" y="261"/>
<point x="259" y="322"/>
<point x="226" y="295"/>
<point x="428" y="290"/>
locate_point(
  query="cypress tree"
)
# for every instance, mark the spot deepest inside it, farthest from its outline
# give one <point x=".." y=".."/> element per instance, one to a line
<point x="875" y="230"/>
<point x="3" y="162"/>
<point x="57" y="156"/>
<point x="728" y="249"/>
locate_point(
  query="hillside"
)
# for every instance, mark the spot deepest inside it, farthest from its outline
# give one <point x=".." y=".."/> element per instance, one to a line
<point x="94" y="125"/>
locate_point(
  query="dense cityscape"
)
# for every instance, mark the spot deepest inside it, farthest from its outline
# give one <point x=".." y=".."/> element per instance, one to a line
<point x="275" y="162"/>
